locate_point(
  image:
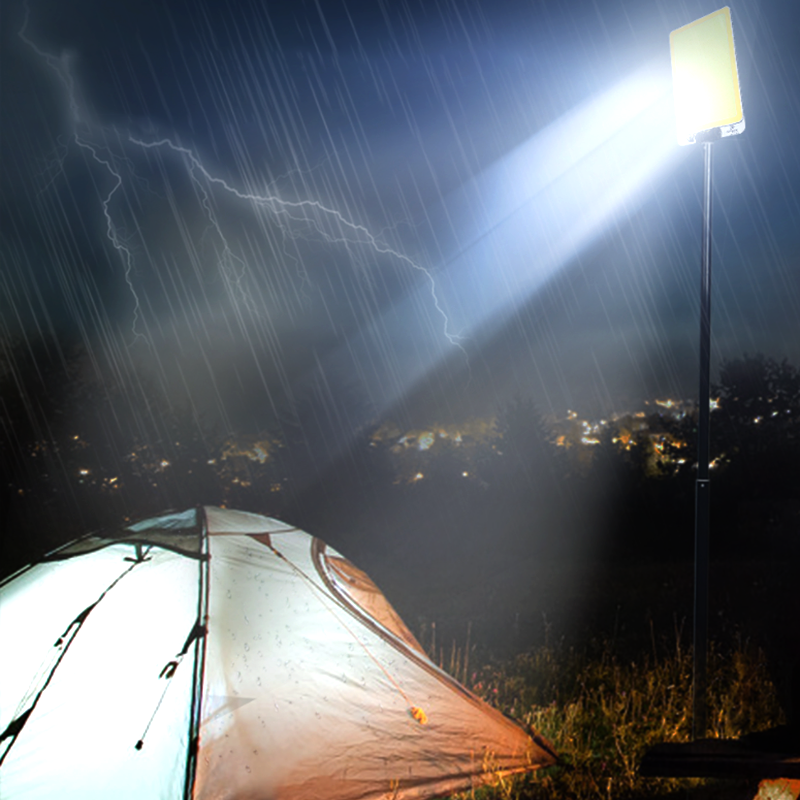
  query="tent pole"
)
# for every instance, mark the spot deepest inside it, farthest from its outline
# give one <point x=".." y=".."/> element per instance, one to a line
<point x="199" y="655"/>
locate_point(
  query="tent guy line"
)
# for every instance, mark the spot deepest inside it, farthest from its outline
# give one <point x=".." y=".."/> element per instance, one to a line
<point x="199" y="630"/>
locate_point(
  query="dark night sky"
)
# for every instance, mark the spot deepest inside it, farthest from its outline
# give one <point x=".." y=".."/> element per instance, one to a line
<point x="426" y="206"/>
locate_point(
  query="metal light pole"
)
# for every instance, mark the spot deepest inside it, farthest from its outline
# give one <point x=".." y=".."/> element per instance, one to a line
<point x="708" y="106"/>
<point x="702" y="485"/>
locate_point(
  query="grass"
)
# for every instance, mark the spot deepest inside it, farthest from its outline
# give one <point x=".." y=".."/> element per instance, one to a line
<point x="602" y="711"/>
<point x="619" y="680"/>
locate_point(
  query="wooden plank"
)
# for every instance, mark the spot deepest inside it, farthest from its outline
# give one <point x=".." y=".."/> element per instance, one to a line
<point x="768" y="754"/>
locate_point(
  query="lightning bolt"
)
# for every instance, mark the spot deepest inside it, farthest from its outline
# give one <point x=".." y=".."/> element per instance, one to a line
<point x="94" y="140"/>
<point x="61" y="67"/>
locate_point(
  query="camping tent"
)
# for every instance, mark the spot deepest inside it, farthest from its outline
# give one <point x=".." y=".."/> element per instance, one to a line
<point x="218" y="654"/>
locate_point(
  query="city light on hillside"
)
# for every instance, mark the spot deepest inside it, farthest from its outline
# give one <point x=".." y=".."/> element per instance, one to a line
<point x="425" y="441"/>
<point x="473" y="439"/>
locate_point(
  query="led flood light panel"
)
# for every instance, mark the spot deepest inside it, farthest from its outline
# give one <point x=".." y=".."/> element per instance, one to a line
<point x="708" y="104"/>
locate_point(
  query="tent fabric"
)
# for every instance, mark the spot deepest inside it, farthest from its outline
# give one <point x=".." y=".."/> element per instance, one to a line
<point x="346" y="578"/>
<point x="270" y="668"/>
<point x="96" y="676"/>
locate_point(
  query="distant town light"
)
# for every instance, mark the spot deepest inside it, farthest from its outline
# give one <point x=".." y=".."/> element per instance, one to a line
<point x="426" y="441"/>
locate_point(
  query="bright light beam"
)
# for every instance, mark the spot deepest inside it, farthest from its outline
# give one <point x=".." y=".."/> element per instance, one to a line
<point x="538" y="208"/>
<point x="477" y="207"/>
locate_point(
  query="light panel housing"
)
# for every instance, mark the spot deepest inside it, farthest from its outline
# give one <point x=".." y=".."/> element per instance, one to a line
<point x="708" y="103"/>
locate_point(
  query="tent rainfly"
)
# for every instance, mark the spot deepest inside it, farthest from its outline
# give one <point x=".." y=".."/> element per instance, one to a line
<point x="222" y="655"/>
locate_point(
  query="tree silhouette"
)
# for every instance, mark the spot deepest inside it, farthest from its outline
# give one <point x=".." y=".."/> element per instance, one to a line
<point x="759" y="401"/>
<point x="526" y="473"/>
<point x="85" y="446"/>
<point x="35" y="491"/>
<point x="757" y="429"/>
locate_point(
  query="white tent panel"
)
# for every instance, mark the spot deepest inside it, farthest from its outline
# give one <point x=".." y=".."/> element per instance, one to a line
<point x="32" y="620"/>
<point x="80" y="740"/>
